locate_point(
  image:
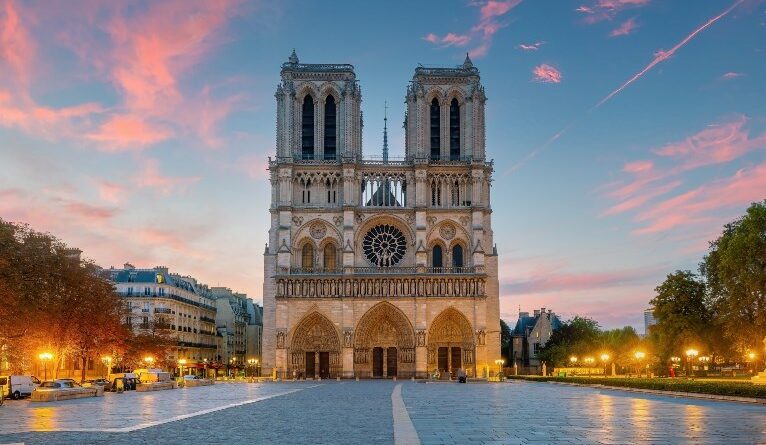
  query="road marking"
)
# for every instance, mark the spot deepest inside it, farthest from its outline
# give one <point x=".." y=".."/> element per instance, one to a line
<point x="181" y="417"/>
<point x="404" y="430"/>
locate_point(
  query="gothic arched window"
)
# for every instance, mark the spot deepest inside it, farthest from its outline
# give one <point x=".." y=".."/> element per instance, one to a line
<point x="330" y="257"/>
<point x="435" y="129"/>
<point x="457" y="256"/>
<point x="329" y="128"/>
<point x="307" y="128"/>
<point x="436" y="257"/>
<point x="454" y="130"/>
<point x="307" y="256"/>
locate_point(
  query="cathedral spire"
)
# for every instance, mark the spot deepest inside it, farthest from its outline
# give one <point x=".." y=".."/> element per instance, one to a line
<point x="467" y="62"/>
<point x="293" y="58"/>
<point x="385" y="132"/>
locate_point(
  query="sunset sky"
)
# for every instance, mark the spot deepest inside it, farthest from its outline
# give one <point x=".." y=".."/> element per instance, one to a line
<point x="625" y="133"/>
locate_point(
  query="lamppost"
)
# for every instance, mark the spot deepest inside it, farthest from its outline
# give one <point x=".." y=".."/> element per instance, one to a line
<point x="674" y="361"/>
<point x="589" y="361"/>
<point x="257" y="370"/>
<point x="604" y="359"/>
<point x="251" y="362"/>
<point x="690" y="354"/>
<point x="499" y="363"/>
<point x="232" y="363"/>
<point x="181" y="364"/>
<point x="107" y="361"/>
<point x="704" y="360"/>
<point x="204" y="361"/>
<point x="45" y="357"/>
<point x="149" y="360"/>
<point x="751" y="359"/>
<point x="640" y="355"/>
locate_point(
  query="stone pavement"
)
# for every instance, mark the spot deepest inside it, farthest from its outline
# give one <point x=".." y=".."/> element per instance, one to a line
<point x="352" y="412"/>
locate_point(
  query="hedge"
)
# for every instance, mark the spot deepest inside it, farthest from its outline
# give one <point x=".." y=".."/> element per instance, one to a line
<point x="738" y="389"/>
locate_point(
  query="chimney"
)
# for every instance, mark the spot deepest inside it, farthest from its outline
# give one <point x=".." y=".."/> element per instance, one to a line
<point x="162" y="269"/>
<point x="537" y="312"/>
<point x="73" y="253"/>
<point x="128" y="266"/>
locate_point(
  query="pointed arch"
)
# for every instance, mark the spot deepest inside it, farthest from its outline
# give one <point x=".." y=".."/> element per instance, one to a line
<point x="454" y="130"/>
<point x="451" y="343"/>
<point x="385" y="328"/>
<point x="330" y="128"/>
<point x="315" y="338"/>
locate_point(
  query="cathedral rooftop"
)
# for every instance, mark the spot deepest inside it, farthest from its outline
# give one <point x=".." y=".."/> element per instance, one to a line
<point x="294" y="65"/>
<point x="465" y="70"/>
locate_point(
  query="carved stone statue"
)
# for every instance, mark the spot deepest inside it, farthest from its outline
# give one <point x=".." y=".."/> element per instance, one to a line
<point x="280" y="340"/>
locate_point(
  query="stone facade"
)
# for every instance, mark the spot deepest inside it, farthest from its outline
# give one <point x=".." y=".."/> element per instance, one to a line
<point x="379" y="267"/>
<point x="529" y="335"/>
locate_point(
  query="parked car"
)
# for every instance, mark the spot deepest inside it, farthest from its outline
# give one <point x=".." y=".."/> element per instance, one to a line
<point x="98" y="382"/>
<point x="192" y="377"/>
<point x="58" y="384"/>
<point x="74" y="382"/>
<point x="18" y="386"/>
<point x="129" y="380"/>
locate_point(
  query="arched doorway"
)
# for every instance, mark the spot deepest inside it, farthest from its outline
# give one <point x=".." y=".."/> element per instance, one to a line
<point x="315" y="348"/>
<point x="384" y="343"/>
<point x="450" y="343"/>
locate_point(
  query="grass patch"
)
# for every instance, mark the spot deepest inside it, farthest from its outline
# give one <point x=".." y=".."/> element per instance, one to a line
<point x="733" y="388"/>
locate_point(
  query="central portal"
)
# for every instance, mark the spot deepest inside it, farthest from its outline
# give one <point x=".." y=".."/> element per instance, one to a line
<point x="384" y="343"/>
<point x="391" y="362"/>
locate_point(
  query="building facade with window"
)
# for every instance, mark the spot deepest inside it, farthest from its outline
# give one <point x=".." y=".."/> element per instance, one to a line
<point x="379" y="267"/>
<point x="529" y="335"/>
<point x="177" y="304"/>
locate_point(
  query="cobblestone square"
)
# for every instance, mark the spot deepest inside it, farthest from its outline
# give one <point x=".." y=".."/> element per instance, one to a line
<point x="364" y="412"/>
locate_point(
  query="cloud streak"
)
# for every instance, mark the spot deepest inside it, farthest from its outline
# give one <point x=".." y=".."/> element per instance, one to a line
<point x="480" y="34"/>
<point x="627" y="27"/>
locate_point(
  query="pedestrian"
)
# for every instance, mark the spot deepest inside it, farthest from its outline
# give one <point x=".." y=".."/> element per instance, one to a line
<point x="672" y="372"/>
<point x="461" y="375"/>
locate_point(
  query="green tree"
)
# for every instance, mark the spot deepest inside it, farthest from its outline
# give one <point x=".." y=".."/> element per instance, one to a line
<point x="578" y="336"/>
<point x="683" y="317"/>
<point x="505" y="340"/>
<point x="735" y="270"/>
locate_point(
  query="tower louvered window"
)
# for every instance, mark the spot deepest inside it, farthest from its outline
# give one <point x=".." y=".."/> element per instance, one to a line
<point x="307" y="128"/>
<point x="329" y="128"/>
<point x="435" y="129"/>
<point x="454" y="130"/>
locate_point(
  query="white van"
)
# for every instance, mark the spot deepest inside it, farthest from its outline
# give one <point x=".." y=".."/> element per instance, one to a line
<point x="18" y="386"/>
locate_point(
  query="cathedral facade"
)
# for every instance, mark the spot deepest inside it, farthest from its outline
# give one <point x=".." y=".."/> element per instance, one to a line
<point x="379" y="267"/>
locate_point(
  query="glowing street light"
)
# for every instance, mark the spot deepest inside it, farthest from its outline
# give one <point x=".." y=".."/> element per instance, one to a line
<point x="573" y="360"/>
<point x="751" y="359"/>
<point x="149" y="360"/>
<point x="45" y="357"/>
<point x="181" y="364"/>
<point x="690" y="354"/>
<point x="640" y="355"/>
<point x="500" y="363"/>
<point x="604" y="359"/>
<point x="107" y="361"/>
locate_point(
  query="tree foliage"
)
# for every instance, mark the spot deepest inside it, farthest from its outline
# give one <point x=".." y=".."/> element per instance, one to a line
<point x="683" y="317"/>
<point x="505" y="340"/>
<point x="735" y="271"/>
<point x="51" y="300"/>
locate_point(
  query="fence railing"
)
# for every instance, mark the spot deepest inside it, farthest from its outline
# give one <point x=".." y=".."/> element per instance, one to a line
<point x="372" y="270"/>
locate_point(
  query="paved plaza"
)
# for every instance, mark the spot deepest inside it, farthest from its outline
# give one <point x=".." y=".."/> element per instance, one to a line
<point x="377" y="412"/>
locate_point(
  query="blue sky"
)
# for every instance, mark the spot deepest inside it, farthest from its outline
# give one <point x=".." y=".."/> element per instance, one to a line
<point x="139" y="131"/>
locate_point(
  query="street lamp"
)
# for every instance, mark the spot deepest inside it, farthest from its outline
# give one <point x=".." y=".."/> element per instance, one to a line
<point x="107" y="361"/>
<point x="751" y="359"/>
<point x="604" y="359"/>
<point x="251" y="362"/>
<point x="45" y="357"/>
<point x="690" y="354"/>
<point x="499" y="363"/>
<point x="704" y="360"/>
<point x="181" y="364"/>
<point x="204" y="361"/>
<point x="640" y="355"/>
<point x="149" y="361"/>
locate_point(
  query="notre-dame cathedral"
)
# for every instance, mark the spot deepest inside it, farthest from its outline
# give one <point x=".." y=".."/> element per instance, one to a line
<point x="380" y="267"/>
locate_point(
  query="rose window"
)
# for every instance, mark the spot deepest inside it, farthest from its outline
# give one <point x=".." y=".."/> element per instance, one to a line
<point x="384" y="245"/>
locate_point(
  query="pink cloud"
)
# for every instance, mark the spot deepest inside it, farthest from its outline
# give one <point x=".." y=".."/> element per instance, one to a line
<point x="152" y="178"/>
<point x="731" y="75"/>
<point x="570" y="282"/>
<point x="128" y="133"/>
<point x="170" y="239"/>
<point x="717" y="144"/>
<point x="601" y="10"/>
<point x="110" y="191"/>
<point x="647" y="186"/>
<point x="482" y="32"/>
<point x="530" y="46"/>
<point x="17" y="48"/>
<point x="627" y="27"/>
<point x="547" y="74"/>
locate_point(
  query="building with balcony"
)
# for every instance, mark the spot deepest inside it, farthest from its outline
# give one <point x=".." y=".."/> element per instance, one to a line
<point x="379" y="267"/>
<point x="178" y="304"/>
<point x="234" y="315"/>
<point x="529" y="335"/>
